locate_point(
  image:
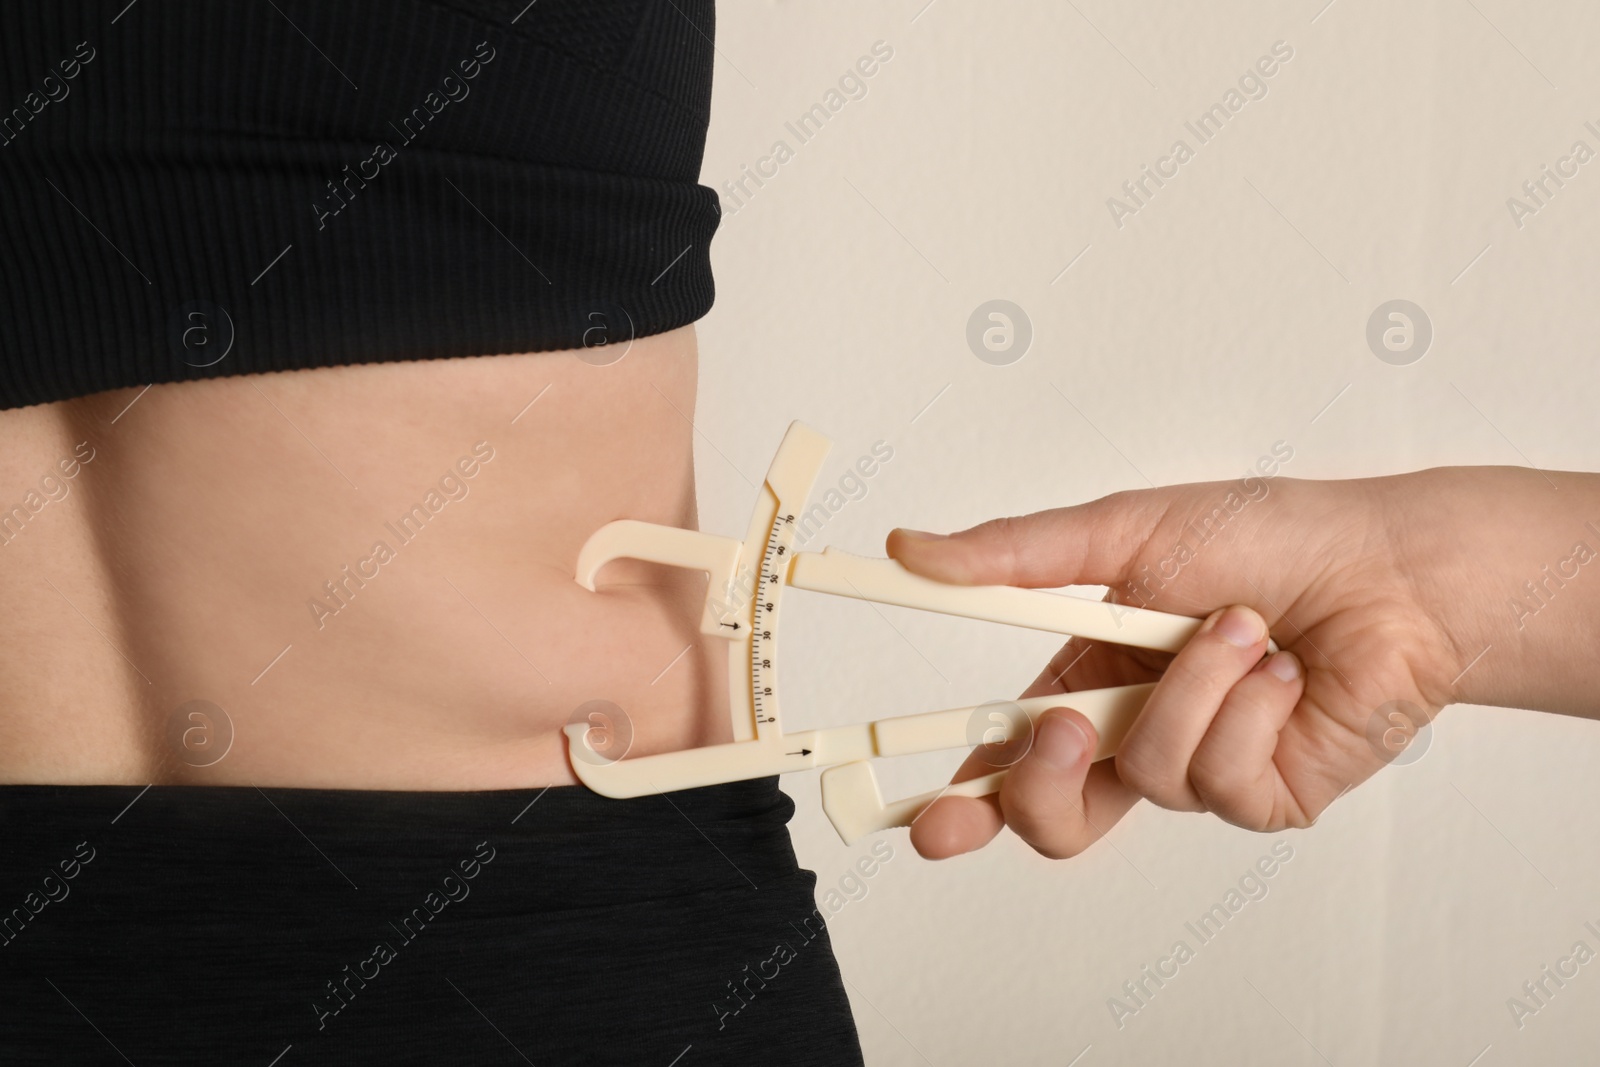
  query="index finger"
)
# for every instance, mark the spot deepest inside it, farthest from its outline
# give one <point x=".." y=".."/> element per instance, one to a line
<point x="1086" y="544"/>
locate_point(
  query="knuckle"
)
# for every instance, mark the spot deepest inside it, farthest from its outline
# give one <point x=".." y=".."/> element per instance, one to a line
<point x="1127" y="502"/>
<point x="1204" y="672"/>
<point x="1232" y="793"/>
<point x="1173" y="792"/>
<point x="1210" y="779"/>
<point x="1142" y="776"/>
<point x="1227" y="797"/>
<point x="1056" y="836"/>
<point x="1008" y="535"/>
<point x="1049" y="821"/>
<point x="1189" y="676"/>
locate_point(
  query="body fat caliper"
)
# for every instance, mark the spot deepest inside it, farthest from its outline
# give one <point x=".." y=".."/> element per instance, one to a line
<point x="743" y="601"/>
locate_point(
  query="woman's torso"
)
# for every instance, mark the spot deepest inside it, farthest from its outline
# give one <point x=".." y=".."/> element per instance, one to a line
<point x="368" y="569"/>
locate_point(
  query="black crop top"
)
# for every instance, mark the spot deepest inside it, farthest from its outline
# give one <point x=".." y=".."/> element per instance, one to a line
<point x="195" y="188"/>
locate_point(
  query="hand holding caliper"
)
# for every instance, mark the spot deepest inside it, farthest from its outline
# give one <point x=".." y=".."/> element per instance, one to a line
<point x="745" y="593"/>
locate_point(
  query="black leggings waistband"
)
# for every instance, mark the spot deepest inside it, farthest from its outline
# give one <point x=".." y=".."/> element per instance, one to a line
<point x="198" y="924"/>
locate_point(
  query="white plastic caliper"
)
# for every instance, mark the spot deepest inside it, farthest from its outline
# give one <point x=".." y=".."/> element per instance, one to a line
<point x="745" y="593"/>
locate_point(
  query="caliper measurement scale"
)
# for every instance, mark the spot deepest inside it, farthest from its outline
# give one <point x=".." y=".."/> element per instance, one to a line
<point x="752" y="575"/>
<point x="763" y="642"/>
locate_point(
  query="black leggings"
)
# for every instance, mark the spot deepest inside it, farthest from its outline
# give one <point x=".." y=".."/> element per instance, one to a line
<point x="206" y="925"/>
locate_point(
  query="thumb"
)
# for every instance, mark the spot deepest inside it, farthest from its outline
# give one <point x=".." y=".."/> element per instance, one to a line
<point x="1087" y="544"/>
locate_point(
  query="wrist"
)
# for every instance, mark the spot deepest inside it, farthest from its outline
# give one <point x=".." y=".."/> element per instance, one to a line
<point x="1506" y="562"/>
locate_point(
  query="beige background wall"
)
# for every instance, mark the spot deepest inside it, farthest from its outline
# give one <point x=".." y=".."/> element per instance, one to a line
<point x="1226" y="314"/>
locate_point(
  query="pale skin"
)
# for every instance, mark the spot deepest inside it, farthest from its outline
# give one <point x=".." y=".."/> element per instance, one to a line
<point x="186" y="550"/>
<point x="1376" y="590"/>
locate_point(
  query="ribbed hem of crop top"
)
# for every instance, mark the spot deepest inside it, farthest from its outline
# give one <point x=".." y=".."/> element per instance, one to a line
<point x="193" y="190"/>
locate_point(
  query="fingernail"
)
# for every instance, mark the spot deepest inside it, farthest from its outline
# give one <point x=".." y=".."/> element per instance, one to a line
<point x="1285" y="666"/>
<point x="922" y="535"/>
<point x="1061" y="743"/>
<point x="1237" y="625"/>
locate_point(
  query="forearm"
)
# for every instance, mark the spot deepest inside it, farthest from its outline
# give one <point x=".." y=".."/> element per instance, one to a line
<point x="1507" y="559"/>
